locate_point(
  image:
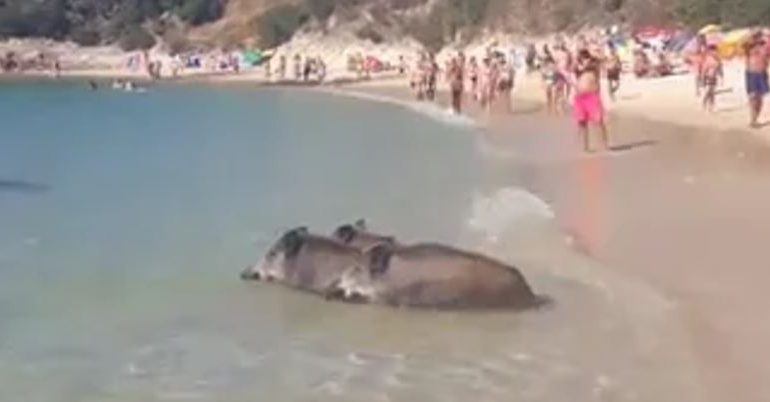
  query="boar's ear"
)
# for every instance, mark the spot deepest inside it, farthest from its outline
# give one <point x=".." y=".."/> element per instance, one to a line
<point x="379" y="258"/>
<point x="293" y="241"/>
<point x="345" y="233"/>
<point x="360" y="224"/>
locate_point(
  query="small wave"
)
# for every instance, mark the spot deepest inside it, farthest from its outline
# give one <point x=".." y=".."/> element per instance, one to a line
<point x="431" y="110"/>
<point x="446" y="116"/>
<point x="492" y="215"/>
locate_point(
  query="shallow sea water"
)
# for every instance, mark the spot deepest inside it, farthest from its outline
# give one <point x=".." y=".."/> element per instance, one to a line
<point x="126" y="219"/>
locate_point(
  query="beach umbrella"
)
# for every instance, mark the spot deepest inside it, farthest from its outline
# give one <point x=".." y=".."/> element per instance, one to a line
<point x="374" y="64"/>
<point x="710" y="29"/>
<point x="252" y="57"/>
<point x="737" y="37"/>
<point x="714" y="38"/>
<point x="653" y="32"/>
<point x="680" y="41"/>
<point x="732" y="42"/>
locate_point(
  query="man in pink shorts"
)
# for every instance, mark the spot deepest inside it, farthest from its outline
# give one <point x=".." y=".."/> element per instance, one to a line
<point x="587" y="106"/>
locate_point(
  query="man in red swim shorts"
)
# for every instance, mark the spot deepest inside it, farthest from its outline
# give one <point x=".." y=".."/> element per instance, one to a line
<point x="587" y="106"/>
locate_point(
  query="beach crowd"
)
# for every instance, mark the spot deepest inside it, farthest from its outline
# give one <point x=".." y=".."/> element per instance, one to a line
<point x="573" y="72"/>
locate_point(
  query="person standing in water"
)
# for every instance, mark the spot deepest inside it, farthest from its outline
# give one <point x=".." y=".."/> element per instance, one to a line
<point x="587" y="104"/>
<point x="712" y="74"/>
<point x="757" y="85"/>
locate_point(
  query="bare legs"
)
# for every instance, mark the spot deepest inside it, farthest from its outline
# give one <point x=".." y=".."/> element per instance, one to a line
<point x="709" y="99"/>
<point x="613" y="86"/>
<point x="584" y="132"/>
<point x="756" y="102"/>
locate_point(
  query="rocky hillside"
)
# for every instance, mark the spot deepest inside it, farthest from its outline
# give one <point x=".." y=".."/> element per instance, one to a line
<point x="268" y="23"/>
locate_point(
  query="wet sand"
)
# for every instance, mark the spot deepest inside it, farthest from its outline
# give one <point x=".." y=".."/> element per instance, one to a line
<point x="684" y="210"/>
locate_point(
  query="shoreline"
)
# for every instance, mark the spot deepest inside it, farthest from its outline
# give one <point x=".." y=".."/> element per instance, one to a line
<point x="661" y="101"/>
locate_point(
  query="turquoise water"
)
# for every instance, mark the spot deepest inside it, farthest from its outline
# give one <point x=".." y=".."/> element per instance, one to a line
<point x="126" y="218"/>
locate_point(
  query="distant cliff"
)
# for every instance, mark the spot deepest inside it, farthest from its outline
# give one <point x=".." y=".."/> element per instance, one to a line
<point x="267" y="23"/>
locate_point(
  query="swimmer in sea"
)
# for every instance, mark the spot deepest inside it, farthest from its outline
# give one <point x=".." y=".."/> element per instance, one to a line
<point x="587" y="105"/>
<point x="712" y="74"/>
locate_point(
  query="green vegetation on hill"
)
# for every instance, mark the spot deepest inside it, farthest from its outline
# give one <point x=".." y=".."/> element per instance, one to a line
<point x="91" y="22"/>
<point x="729" y="12"/>
<point x="136" y="23"/>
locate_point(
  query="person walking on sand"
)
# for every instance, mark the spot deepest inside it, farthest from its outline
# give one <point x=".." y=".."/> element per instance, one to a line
<point x="268" y="70"/>
<point x="564" y="66"/>
<point x="473" y="75"/>
<point x="456" y="84"/>
<point x="432" y="76"/>
<point x="587" y="104"/>
<point x="507" y="74"/>
<point x="757" y="86"/>
<point x="550" y="79"/>
<point x="712" y="75"/>
<point x="297" y="67"/>
<point x="282" y="68"/>
<point x="696" y="62"/>
<point x="614" y="68"/>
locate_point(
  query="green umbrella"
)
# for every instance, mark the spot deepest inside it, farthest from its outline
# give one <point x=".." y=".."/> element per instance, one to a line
<point x="253" y="57"/>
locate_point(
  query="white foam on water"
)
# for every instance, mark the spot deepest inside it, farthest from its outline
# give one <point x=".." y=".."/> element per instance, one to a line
<point x="427" y="109"/>
<point x="494" y="214"/>
<point x="442" y="115"/>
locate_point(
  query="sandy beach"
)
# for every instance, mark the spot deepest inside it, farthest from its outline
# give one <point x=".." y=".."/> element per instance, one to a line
<point x="680" y="204"/>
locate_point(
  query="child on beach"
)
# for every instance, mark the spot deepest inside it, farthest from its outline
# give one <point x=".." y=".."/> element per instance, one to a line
<point x="550" y="78"/>
<point x="712" y="74"/>
<point x="614" y="68"/>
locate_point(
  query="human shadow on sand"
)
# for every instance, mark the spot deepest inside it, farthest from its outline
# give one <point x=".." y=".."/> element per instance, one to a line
<point x="20" y="186"/>
<point x="631" y="146"/>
